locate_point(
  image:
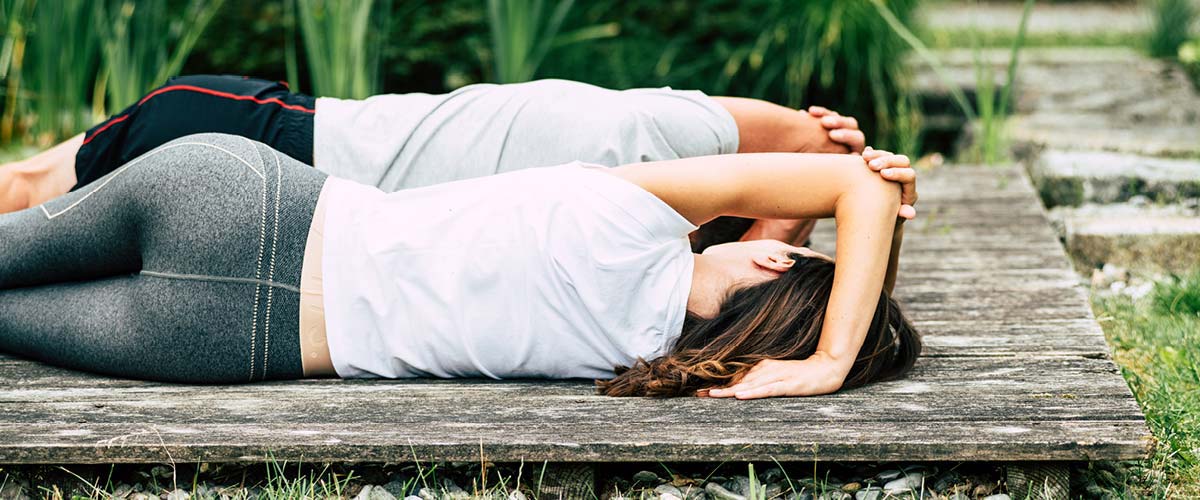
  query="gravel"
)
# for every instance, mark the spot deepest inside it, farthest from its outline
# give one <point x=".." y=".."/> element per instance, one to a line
<point x="462" y="481"/>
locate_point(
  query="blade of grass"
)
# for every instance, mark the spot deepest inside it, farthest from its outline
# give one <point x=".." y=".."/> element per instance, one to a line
<point x="923" y="51"/>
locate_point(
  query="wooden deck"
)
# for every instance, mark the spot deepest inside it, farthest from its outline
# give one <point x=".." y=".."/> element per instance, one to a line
<point x="1015" y="369"/>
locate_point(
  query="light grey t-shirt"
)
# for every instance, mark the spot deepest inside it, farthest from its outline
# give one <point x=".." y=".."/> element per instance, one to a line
<point x="401" y="141"/>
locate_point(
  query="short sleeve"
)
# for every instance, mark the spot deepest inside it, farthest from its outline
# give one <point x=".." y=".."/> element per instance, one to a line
<point x="659" y="219"/>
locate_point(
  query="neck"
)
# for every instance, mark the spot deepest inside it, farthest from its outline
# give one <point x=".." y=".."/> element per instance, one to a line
<point x="710" y="285"/>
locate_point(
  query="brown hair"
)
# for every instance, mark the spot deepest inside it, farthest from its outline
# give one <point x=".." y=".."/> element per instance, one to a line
<point x="776" y="319"/>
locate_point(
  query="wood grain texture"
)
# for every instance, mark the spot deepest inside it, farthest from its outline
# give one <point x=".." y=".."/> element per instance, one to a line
<point x="1014" y="368"/>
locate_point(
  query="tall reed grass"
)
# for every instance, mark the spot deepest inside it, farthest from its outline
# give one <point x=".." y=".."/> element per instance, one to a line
<point x="62" y="67"/>
<point x="343" y="42"/>
<point x="991" y="107"/>
<point x="16" y="17"/>
<point x="143" y="43"/>
<point x="524" y="31"/>
<point x="828" y="52"/>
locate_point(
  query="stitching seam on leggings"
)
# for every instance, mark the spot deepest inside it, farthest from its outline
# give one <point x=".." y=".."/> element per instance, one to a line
<point x="119" y="171"/>
<point x="262" y="243"/>
<point x="219" y="279"/>
<point x="271" y="271"/>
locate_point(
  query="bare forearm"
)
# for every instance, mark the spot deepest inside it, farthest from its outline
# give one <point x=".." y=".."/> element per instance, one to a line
<point x="889" y="280"/>
<point x="764" y="127"/>
<point x="865" y="219"/>
<point x="758" y="185"/>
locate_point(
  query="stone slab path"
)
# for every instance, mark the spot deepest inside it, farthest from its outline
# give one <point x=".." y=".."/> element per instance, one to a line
<point x="1073" y="18"/>
<point x="1111" y="138"/>
<point x="1015" y="369"/>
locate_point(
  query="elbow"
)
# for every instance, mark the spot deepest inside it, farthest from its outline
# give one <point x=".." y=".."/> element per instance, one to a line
<point x="870" y="193"/>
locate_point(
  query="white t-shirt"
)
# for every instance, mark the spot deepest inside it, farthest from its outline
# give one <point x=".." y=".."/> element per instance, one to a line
<point x="556" y="272"/>
<point x="401" y="141"/>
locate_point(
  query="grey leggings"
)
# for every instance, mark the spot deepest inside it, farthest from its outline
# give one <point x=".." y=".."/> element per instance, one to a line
<point x="181" y="266"/>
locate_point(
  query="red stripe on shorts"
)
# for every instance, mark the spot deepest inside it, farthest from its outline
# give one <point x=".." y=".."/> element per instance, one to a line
<point x="201" y="90"/>
<point x="110" y="123"/>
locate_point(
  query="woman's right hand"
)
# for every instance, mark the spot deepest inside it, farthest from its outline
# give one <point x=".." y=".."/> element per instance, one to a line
<point x="896" y="168"/>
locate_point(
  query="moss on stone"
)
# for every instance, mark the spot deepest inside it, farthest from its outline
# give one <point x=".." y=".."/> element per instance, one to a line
<point x="1061" y="191"/>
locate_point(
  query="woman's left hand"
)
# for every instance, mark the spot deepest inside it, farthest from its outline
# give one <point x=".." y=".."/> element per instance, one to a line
<point x="896" y="168"/>
<point x="819" y="374"/>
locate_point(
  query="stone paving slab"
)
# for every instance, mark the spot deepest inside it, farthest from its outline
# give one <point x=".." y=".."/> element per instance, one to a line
<point x="1077" y="177"/>
<point x="1087" y="99"/>
<point x="1073" y="18"/>
<point x="1146" y="239"/>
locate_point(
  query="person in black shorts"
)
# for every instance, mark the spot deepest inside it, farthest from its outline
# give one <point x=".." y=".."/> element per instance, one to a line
<point x="270" y="113"/>
<point x="264" y="111"/>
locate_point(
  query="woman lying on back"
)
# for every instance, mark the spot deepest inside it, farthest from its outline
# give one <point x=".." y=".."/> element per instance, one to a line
<point x="215" y="259"/>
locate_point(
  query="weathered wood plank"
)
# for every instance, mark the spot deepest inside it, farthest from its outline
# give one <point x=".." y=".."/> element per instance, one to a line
<point x="537" y="441"/>
<point x="28" y="381"/>
<point x="585" y="409"/>
<point x="1015" y="368"/>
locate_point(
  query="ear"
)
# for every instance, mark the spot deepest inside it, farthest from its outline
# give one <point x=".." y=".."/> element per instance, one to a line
<point x="773" y="261"/>
<point x="808" y="252"/>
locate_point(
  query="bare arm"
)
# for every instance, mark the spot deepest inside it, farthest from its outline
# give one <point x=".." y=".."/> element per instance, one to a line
<point x="764" y="127"/>
<point x="780" y="186"/>
<point x="889" y="279"/>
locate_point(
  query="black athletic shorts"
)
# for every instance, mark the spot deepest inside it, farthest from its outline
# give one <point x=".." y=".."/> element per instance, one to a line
<point x="257" y="109"/>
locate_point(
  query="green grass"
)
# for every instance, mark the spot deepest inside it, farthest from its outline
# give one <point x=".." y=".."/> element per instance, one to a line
<point x="1156" y="341"/>
<point x="1173" y="21"/>
<point x="956" y="37"/>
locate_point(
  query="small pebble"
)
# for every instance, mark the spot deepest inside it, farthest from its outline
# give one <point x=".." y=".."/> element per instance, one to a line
<point x="869" y="493"/>
<point x="395" y="487"/>
<point x="998" y="496"/>
<point x="851" y="487"/>
<point x="413" y="497"/>
<point x="516" y="495"/>
<point x="803" y="495"/>
<point x="772" y="475"/>
<point x="958" y="496"/>
<point x="910" y="481"/>
<point x="739" y="485"/>
<point x="161" y="472"/>
<point x="717" y="492"/>
<point x="888" y="475"/>
<point x="694" y="493"/>
<point x="667" y="489"/>
<point x="370" y="492"/>
<point x="983" y="490"/>
<point x="946" y="480"/>
<point x="645" y="477"/>
<point x="123" y="490"/>
<point x="178" y="495"/>
<point x="13" y="491"/>
<point x="668" y="496"/>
